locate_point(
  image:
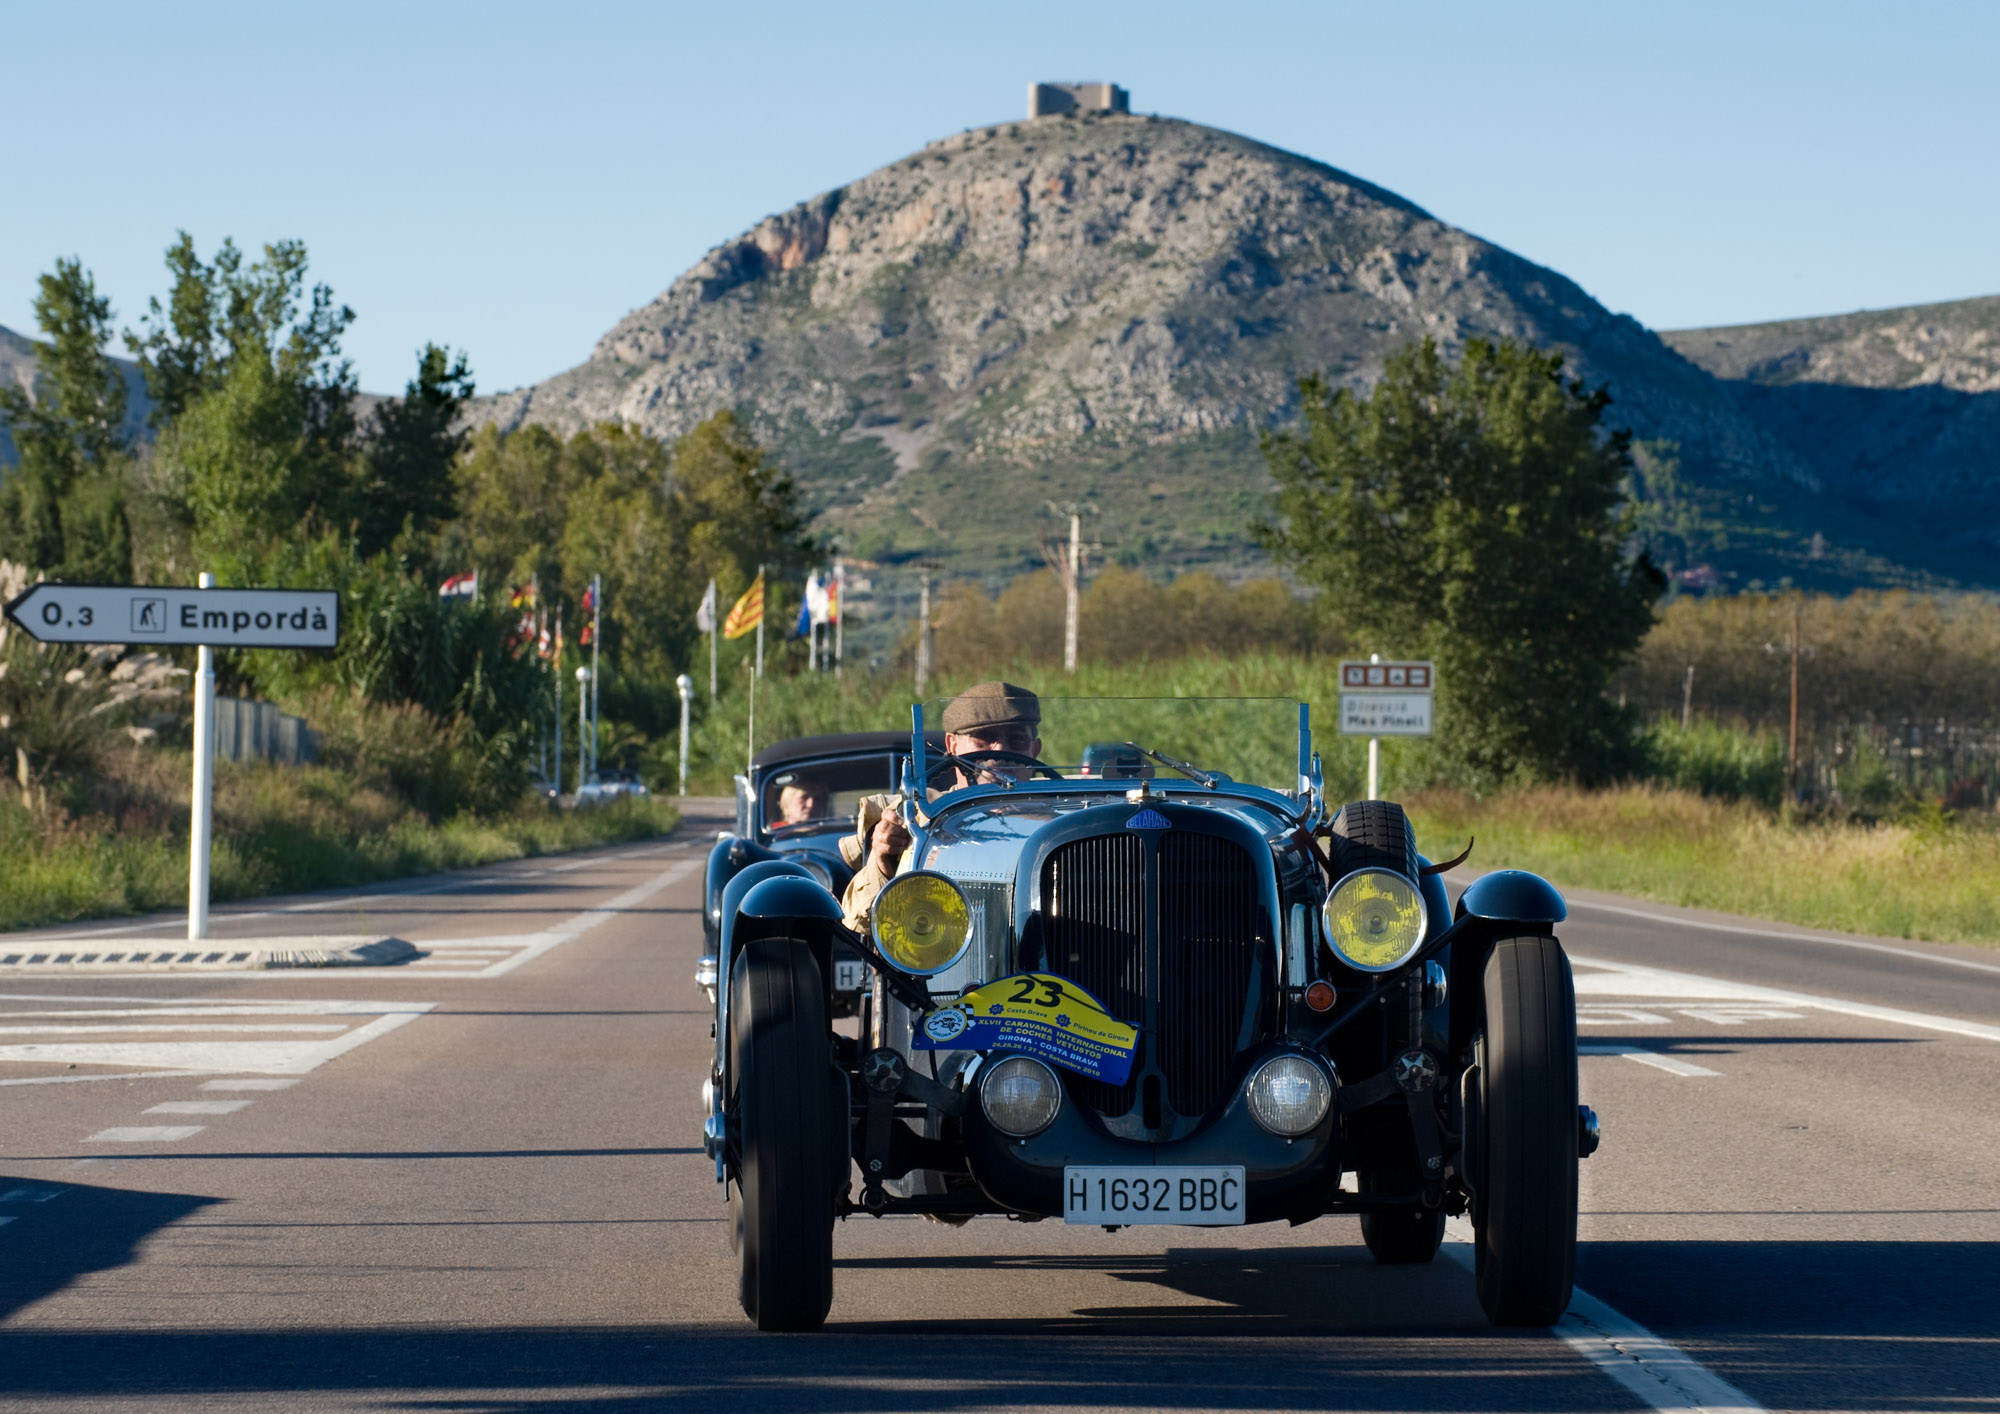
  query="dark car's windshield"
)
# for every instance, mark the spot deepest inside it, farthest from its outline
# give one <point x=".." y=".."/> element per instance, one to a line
<point x="805" y="797"/>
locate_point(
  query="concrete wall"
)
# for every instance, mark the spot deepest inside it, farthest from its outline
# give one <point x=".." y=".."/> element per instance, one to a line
<point x="247" y="730"/>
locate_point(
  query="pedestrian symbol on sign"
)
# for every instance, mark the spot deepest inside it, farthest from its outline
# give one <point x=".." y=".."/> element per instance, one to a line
<point x="149" y="616"/>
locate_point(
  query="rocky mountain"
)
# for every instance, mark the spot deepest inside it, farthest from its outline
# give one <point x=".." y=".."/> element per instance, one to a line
<point x="1100" y="308"/>
<point x="1897" y="411"/>
<point x="19" y="367"/>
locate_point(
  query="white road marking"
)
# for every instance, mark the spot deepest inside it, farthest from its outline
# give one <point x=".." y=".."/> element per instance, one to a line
<point x="152" y="1030"/>
<point x="145" y="1134"/>
<point x="257" y="1084"/>
<point x="208" y="1047"/>
<point x="100" y="1075"/>
<point x="1627" y="980"/>
<point x="1597" y="1015"/>
<point x="468" y="955"/>
<point x="1672" y="1065"/>
<point x="199" y="1107"/>
<point x="1941" y="959"/>
<point x="1656" y="1371"/>
<point x="1737" y="1015"/>
<point x="31" y="1195"/>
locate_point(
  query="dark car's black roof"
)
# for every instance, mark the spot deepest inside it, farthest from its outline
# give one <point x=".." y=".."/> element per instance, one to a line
<point x="803" y="748"/>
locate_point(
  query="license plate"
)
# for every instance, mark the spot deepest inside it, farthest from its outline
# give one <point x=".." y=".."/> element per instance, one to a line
<point x="849" y="974"/>
<point x="1205" y="1195"/>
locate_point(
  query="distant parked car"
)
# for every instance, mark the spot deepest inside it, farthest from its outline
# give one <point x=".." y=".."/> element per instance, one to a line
<point x="610" y="785"/>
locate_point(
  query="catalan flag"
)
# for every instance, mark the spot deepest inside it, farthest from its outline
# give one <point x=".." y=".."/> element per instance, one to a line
<point x="748" y="612"/>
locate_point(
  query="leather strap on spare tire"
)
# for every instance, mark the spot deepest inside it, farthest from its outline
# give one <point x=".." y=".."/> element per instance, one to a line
<point x="1373" y="834"/>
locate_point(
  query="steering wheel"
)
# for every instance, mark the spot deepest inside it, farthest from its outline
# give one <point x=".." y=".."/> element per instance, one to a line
<point x="972" y="761"/>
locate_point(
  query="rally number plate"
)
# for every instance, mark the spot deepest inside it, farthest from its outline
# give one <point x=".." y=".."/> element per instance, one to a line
<point x="1206" y="1195"/>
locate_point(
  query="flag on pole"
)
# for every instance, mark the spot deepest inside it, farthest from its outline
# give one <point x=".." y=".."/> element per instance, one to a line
<point x="704" y="617"/>
<point x="547" y="645"/>
<point x="819" y="599"/>
<point x="584" y="638"/>
<point x="590" y="597"/>
<point x="806" y="621"/>
<point x="522" y="596"/>
<point x="460" y="586"/>
<point x="833" y="595"/>
<point x="748" y="612"/>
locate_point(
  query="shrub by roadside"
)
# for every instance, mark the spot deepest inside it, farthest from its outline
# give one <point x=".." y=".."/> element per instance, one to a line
<point x="277" y="830"/>
<point x="1928" y="877"/>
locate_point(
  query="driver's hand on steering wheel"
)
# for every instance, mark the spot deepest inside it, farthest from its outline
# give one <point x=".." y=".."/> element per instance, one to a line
<point x="888" y="841"/>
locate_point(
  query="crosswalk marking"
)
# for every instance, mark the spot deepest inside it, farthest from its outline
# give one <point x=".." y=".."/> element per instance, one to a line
<point x="1672" y="1065"/>
<point x="145" y="1133"/>
<point x="199" y="1107"/>
<point x="202" y="1034"/>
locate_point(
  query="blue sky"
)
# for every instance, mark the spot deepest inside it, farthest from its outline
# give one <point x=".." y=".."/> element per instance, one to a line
<point x="512" y="178"/>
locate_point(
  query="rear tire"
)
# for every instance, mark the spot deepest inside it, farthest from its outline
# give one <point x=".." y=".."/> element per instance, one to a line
<point x="788" y="1121"/>
<point x="1525" y="1217"/>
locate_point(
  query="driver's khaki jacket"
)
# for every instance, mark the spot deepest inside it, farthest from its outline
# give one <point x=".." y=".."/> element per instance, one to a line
<point x="859" y="896"/>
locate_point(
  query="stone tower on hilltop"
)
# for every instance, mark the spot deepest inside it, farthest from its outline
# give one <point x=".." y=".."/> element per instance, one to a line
<point x="1048" y="99"/>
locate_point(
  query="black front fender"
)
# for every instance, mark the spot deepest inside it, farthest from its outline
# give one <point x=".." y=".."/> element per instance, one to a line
<point x="731" y="855"/>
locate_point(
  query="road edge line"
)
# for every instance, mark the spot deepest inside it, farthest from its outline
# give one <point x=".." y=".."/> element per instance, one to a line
<point x="1653" y="1369"/>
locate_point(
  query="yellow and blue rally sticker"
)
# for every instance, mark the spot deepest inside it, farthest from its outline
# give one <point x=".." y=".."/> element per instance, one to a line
<point x="1038" y="1014"/>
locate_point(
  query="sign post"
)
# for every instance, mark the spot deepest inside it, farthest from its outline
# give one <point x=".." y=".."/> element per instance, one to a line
<point x="1379" y="699"/>
<point x="686" y="686"/>
<point x="204" y="617"/>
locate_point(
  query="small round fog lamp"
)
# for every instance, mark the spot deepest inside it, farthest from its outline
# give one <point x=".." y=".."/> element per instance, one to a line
<point x="1020" y="1096"/>
<point x="1289" y="1095"/>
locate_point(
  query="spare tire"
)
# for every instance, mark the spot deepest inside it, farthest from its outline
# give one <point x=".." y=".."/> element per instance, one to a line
<point x="1373" y="834"/>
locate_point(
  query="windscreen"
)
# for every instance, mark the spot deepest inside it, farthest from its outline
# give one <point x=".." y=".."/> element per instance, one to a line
<point x="808" y="796"/>
<point x="1251" y="739"/>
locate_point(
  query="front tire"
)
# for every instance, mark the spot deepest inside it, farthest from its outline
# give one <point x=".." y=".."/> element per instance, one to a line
<point x="1525" y="1218"/>
<point x="788" y="1123"/>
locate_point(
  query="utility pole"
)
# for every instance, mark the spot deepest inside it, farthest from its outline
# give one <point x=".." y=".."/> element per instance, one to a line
<point x="839" y="611"/>
<point x="1068" y="565"/>
<point x="558" y="678"/>
<point x="686" y="686"/>
<point x="924" y="641"/>
<point x="1687" y="699"/>
<point x="1793" y="771"/>
<point x="596" y="633"/>
<point x="584" y="692"/>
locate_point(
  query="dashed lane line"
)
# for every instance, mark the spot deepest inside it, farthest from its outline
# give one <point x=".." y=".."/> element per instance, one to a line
<point x="145" y="1133"/>
<point x="1672" y="1065"/>
<point x="1654" y="1370"/>
<point x="198" y="1107"/>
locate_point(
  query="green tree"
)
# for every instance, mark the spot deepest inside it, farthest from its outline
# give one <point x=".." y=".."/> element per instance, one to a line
<point x="62" y="512"/>
<point x="406" y="473"/>
<point x="1472" y="512"/>
<point x="1667" y="521"/>
<point x="258" y="439"/>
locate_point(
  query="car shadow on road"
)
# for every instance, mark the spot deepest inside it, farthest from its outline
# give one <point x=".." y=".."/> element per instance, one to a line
<point x="1820" y="1325"/>
<point x="64" y="1231"/>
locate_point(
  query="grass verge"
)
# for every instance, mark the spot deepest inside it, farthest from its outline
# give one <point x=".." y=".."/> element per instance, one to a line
<point x="1931" y="878"/>
<point x="278" y="830"/>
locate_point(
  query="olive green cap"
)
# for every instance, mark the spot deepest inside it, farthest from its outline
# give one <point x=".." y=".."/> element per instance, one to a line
<point x="992" y="704"/>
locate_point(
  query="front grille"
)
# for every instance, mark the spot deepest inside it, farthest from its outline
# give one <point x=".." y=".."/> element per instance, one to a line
<point x="1094" y="933"/>
<point x="1209" y="915"/>
<point x="1210" y="919"/>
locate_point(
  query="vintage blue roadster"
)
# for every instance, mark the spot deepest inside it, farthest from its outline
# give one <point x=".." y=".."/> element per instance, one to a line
<point x="1140" y="989"/>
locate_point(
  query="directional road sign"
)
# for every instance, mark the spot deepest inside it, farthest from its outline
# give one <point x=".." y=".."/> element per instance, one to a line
<point x="1385" y="714"/>
<point x="219" y="618"/>
<point x="1386" y="699"/>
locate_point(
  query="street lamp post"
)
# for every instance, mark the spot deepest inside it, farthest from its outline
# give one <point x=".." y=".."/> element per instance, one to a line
<point x="584" y="753"/>
<point x="686" y="685"/>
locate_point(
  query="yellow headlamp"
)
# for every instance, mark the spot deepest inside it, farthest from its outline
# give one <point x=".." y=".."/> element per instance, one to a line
<point x="1375" y="919"/>
<point x="921" y="922"/>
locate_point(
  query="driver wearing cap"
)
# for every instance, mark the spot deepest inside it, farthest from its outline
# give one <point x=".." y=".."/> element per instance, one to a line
<point x="989" y="716"/>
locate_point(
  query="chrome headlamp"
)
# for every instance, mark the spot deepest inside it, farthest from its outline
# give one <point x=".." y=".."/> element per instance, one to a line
<point x="1375" y="919"/>
<point x="921" y="922"/>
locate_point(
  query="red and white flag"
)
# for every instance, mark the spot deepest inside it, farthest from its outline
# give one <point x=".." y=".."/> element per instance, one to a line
<point x="460" y="586"/>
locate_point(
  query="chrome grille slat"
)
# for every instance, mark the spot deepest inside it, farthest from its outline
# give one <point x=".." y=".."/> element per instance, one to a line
<point x="1209" y="919"/>
<point x="1094" y="933"/>
<point x="1209" y="916"/>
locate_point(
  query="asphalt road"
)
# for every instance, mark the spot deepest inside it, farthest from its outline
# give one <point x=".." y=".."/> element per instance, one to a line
<point x="473" y="1182"/>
